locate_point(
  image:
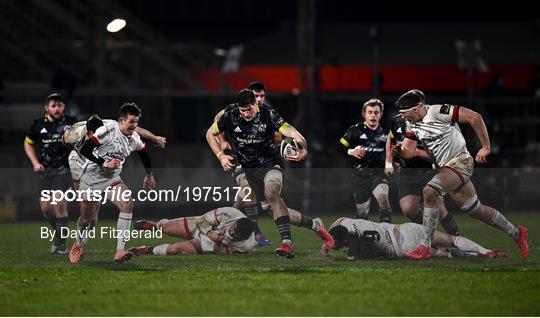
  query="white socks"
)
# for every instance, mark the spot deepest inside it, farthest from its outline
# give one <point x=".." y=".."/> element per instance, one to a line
<point x="467" y="245"/>
<point x="431" y="218"/>
<point x="160" y="249"/>
<point x="500" y="222"/>
<point x="123" y="226"/>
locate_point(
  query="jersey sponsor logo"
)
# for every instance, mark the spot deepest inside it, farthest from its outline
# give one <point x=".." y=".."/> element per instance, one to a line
<point x="445" y="109"/>
<point x="237" y="129"/>
<point x="43" y="131"/>
<point x="363" y="136"/>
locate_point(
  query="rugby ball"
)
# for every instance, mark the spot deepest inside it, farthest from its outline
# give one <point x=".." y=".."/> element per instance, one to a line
<point x="289" y="147"/>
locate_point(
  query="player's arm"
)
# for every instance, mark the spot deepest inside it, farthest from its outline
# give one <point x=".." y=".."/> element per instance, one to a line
<point x="31" y="153"/>
<point x="389" y="162"/>
<point x="157" y="141"/>
<point x="224" y="159"/>
<point x="206" y="223"/>
<point x="344" y="145"/>
<point x="224" y="144"/>
<point x="149" y="180"/>
<point x="468" y="116"/>
<point x="87" y="150"/>
<point x="407" y="150"/>
<point x="289" y="131"/>
<point x="30" y="150"/>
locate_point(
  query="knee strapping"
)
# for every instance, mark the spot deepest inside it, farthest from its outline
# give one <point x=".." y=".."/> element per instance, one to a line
<point x="437" y="186"/>
<point x="470" y="206"/>
<point x="380" y="190"/>
<point x="362" y="209"/>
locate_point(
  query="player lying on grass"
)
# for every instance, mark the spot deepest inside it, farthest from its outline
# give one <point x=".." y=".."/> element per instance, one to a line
<point x="366" y="239"/>
<point x="224" y="231"/>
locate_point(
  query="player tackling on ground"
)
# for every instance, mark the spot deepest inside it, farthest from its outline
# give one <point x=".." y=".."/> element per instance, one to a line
<point x="223" y="231"/>
<point x="366" y="239"/>
<point x="435" y="126"/>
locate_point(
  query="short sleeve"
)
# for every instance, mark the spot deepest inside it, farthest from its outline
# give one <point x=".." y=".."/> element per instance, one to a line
<point x="33" y="135"/>
<point x="445" y="113"/>
<point x="349" y="137"/>
<point x="278" y="123"/>
<point x="222" y="124"/>
<point x="139" y="145"/>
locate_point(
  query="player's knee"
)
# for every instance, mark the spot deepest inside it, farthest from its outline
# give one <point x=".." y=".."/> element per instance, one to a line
<point x="126" y="206"/>
<point x="271" y="192"/>
<point x="431" y="194"/>
<point x="472" y="206"/>
<point x="409" y="210"/>
<point x="381" y="193"/>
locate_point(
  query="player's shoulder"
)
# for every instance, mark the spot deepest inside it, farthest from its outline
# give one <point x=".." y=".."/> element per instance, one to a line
<point x="230" y="107"/>
<point x="106" y="130"/>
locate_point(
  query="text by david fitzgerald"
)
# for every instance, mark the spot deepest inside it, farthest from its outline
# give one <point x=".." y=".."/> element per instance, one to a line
<point x="104" y="232"/>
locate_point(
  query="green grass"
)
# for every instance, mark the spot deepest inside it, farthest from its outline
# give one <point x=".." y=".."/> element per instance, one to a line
<point x="35" y="283"/>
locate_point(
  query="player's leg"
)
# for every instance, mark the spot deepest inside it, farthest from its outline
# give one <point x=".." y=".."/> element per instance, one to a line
<point x="411" y="207"/>
<point x="467" y="199"/>
<point x="88" y="210"/>
<point x="380" y="192"/>
<point x="448" y="221"/>
<point x="301" y="220"/>
<point x="436" y="188"/>
<point x="248" y="202"/>
<point x="192" y="246"/>
<point x="272" y="182"/>
<point x="361" y="194"/>
<point x="464" y="245"/>
<point x="117" y="196"/>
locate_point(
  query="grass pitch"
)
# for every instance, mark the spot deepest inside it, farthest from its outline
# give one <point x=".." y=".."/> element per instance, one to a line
<point x="33" y="282"/>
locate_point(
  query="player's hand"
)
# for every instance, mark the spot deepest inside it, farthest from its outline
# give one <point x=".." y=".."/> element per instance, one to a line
<point x="388" y="169"/>
<point x="112" y="164"/>
<point x="225" y="145"/>
<point x="481" y="156"/>
<point x="226" y="162"/>
<point x="149" y="182"/>
<point x="395" y="149"/>
<point x="357" y="152"/>
<point x="159" y="142"/>
<point x="301" y="153"/>
<point x="214" y="236"/>
<point x="39" y="168"/>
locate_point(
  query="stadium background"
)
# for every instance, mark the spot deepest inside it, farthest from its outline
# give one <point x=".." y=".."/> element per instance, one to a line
<point x="183" y="61"/>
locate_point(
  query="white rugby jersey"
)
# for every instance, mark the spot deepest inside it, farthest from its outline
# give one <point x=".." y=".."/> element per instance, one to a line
<point x="221" y="219"/>
<point x="439" y="133"/>
<point x="382" y="237"/>
<point x="76" y="135"/>
<point x="112" y="144"/>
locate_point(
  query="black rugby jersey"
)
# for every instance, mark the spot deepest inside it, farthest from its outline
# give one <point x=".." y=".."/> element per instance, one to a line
<point x="253" y="141"/>
<point x="47" y="135"/>
<point x="397" y="133"/>
<point x="373" y="142"/>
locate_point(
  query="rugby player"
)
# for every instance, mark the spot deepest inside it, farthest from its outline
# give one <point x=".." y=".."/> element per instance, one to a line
<point x="434" y="126"/>
<point x="50" y="162"/>
<point x="414" y="174"/>
<point x="224" y="230"/>
<point x="249" y="203"/>
<point x="74" y="138"/>
<point x="366" y="143"/>
<point x="113" y="143"/>
<point x="366" y="239"/>
<point x="252" y="134"/>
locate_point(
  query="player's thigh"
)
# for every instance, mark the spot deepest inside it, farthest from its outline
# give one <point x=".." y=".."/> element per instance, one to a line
<point x="118" y="195"/>
<point x="410" y="204"/>
<point x="463" y="194"/>
<point x="178" y="227"/>
<point x="445" y="180"/>
<point x="186" y="247"/>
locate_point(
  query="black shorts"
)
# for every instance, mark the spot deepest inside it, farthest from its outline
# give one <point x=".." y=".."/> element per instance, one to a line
<point x="413" y="183"/>
<point x="255" y="178"/>
<point x="54" y="181"/>
<point x="363" y="186"/>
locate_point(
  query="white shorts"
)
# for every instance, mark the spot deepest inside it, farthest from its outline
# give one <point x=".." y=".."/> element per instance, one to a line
<point x="90" y="180"/>
<point x="76" y="165"/>
<point x="207" y="245"/>
<point x="407" y="237"/>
